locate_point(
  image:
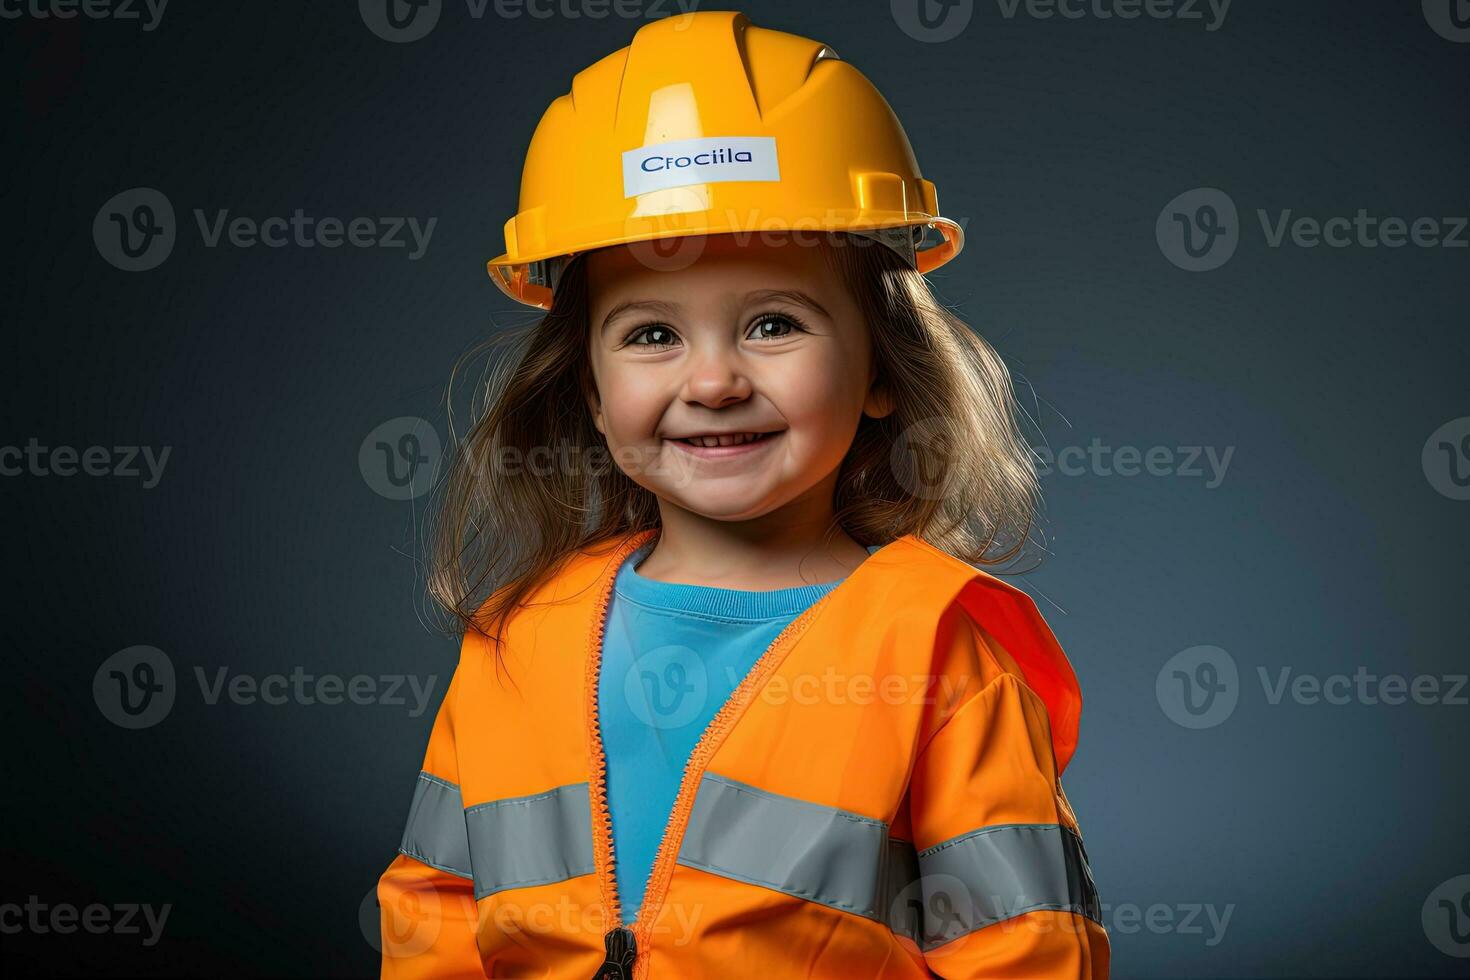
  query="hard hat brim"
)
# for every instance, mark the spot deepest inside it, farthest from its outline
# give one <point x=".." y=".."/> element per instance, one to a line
<point x="513" y="273"/>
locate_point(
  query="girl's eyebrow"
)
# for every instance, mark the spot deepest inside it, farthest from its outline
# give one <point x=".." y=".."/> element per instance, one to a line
<point x="656" y="305"/>
<point x="791" y="295"/>
<point x="664" y="308"/>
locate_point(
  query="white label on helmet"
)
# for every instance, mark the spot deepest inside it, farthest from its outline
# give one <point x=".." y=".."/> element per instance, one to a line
<point x="702" y="161"/>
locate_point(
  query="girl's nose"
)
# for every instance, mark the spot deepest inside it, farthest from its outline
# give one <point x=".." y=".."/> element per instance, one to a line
<point x="715" y="379"/>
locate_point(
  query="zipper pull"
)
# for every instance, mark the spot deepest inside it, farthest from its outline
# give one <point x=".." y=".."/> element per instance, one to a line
<point x="622" y="950"/>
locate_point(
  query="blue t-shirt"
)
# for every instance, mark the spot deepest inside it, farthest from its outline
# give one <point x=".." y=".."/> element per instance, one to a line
<point x="671" y="656"/>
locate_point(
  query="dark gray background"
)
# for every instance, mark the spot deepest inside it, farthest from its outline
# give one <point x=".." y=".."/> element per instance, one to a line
<point x="1323" y="829"/>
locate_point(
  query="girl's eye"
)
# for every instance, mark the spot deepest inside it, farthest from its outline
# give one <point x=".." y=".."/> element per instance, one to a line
<point x="769" y="326"/>
<point x="776" y="320"/>
<point x="653" y="330"/>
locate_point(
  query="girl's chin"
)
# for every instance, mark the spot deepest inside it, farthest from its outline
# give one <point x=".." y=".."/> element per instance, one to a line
<point x="741" y="507"/>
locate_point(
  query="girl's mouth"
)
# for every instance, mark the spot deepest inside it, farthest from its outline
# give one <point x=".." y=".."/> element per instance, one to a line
<point x="748" y="443"/>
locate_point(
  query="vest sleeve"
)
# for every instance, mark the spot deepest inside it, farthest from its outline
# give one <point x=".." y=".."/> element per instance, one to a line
<point x="1005" y="886"/>
<point x="426" y="895"/>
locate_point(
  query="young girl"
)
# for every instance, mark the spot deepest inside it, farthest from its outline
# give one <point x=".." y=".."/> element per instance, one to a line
<point x="739" y="702"/>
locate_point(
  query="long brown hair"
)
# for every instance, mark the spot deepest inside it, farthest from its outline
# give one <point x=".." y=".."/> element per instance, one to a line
<point x="948" y="464"/>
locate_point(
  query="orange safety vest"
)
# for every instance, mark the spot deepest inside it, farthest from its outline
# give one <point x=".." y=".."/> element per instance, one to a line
<point x="878" y="798"/>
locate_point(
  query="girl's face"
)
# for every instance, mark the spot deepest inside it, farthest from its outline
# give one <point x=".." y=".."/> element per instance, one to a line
<point x="759" y="337"/>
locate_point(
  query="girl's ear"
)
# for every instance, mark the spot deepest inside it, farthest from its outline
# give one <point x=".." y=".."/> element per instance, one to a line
<point x="879" y="402"/>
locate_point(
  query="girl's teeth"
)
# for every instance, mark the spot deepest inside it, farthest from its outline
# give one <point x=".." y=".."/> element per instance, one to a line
<point x="734" y="440"/>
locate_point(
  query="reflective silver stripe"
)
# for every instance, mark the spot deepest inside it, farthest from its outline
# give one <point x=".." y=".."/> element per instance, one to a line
<point x="996" y="873"/>
<point x="848" y="861"/>
<point x="531" y="840"/>
<point x="435" y="832"/>
<point x="903" y="905"/>
<point x="815" y="852"/>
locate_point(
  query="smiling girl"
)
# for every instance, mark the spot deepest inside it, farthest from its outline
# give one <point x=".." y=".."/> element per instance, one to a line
<point x="735" y="697"/>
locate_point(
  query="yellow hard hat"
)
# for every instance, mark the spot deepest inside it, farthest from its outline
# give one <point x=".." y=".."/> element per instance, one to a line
<point x="706" y="125"/>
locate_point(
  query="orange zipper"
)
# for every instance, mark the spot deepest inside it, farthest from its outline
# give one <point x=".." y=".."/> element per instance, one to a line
<point x="704" y="750"/>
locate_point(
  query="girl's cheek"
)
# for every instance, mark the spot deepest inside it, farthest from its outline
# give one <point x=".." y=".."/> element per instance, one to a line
<point x="810" y="392"/>
<point x="633" y="410"/>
